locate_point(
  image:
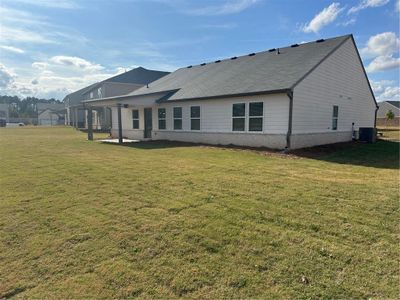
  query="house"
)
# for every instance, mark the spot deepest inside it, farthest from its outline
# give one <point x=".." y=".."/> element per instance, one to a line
<point x="384" y="108"/>
<point x="4" y="115"/>
<point x="51" y="114"/>
<point x="292" y="97"/>
<point x="115" y="86"/>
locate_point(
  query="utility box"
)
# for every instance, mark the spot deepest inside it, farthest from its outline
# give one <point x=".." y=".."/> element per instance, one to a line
<point x="367" y="134"/>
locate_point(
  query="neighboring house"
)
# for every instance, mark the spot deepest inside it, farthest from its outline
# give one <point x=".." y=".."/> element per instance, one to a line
<point x="384" y="108"/>
<point x="118" y="85"/>
<point x="51" y="114"/>
<point x="4" y="114"/>
<point x="298" y="96"/>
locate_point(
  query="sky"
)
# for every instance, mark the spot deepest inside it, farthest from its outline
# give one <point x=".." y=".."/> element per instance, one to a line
<point x="49" y="48"/>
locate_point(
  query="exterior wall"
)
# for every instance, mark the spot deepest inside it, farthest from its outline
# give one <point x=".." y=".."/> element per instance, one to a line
<point x="112" y="89"/>
<point x="4" y="112"/>
<point x="339" y="80"/>
<point x="304" y="140"/>
<point x="384" y="107"/>
<point x="49" y="118"/>
<point x="215" y="123"/>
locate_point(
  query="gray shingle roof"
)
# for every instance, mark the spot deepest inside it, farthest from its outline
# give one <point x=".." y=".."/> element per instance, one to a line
<point x="394" y="103"/>
<point x="263" y="72"/>
<point x="76" y="98"/>
<point x="138" y="76"/>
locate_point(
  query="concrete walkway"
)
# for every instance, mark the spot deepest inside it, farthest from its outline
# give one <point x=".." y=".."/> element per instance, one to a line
<point x="115" y="141"/>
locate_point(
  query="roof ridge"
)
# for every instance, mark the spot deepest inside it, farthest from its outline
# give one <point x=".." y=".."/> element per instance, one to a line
<point x="210" y="61"/>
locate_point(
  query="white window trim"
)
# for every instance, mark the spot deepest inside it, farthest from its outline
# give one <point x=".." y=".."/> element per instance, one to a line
<point x="165" y="119"/>
<point x="251" y="117"/>
<point x="242" y="117"/>
<point x="173" y="118"/>
<point x="190" y="115"/>
<point x="138" y="118"/>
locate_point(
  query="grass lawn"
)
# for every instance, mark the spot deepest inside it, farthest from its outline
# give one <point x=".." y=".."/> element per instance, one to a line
<point x="82" y="219"/>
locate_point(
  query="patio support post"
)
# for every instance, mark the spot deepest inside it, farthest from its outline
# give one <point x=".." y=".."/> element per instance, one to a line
<point x="120" y="140"/>
<point x="76" y="118"/>
<point x="90" y="123"/>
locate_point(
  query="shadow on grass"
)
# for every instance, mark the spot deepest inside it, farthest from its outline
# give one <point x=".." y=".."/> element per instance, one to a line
<point x="382" y="154"/>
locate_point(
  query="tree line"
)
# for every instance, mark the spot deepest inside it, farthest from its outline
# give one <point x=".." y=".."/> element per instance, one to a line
<point x="24" y="107"/>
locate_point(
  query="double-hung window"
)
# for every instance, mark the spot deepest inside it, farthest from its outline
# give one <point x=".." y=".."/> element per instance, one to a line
<point x="162" y="118"/>
<point x="238" y="117"/>
<point x="335" y="116"/>
<point x="135" y="119"/>
<point x="256" y="112"/>
<point x="195" y="117"/>
<point x="177" y="118"/>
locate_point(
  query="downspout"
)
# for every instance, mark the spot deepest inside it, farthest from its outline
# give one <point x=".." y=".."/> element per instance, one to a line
<point x="290" y="121"/>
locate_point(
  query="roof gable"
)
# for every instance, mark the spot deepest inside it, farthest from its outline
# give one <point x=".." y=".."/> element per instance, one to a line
<point x="138" y="75"/>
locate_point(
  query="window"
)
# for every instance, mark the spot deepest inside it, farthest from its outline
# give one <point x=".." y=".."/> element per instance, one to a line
<point x="135" y="119"/>
<point x="99" y="92"/>
<point x="177" y="118"/>
<point x="91" y="95"/>
<point x="195" y="117"/>
<point x="238" y="116"/>
<point x="256" y="111"/>
<point x="161" y="118"/>
<point x="335" y="116"/>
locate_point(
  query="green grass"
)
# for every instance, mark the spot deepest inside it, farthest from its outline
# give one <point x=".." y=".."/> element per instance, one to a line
<point x="82" y="219"/>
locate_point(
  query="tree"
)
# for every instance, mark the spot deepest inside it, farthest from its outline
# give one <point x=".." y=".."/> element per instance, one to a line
<point x="389" y="116"/>
<point x="24" y="108"/>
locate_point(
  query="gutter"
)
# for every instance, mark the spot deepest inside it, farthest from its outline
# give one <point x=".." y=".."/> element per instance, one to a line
<point x="290" y="121"/>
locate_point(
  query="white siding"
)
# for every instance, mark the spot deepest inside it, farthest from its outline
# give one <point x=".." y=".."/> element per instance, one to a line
<point x="216" y="121"/>
<point x="339" y="80"/>
<point x="127" y="123"/>
<point x="216" y="114"/>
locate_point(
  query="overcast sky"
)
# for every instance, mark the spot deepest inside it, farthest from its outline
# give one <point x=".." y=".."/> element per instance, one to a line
<point x="49" y="48"/>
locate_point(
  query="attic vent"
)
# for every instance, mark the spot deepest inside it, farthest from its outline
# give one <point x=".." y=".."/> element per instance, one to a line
<point x="235" y="57"/>
<point x="294" y="45"/>
<point x="217" y="61"/>
<point x="320" y="41"/>
<point x="203" y="64"/>
<point x="252" y="54"/>
<point x="189" y="67"/>
<point x="272" y="50"/>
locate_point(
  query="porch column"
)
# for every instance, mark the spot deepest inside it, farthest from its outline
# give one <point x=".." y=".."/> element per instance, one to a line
<point x="90" y="124"/>
<point x="73" y="117"/>
<point x="76" y="118"/>
<point x="120" y="140"/>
